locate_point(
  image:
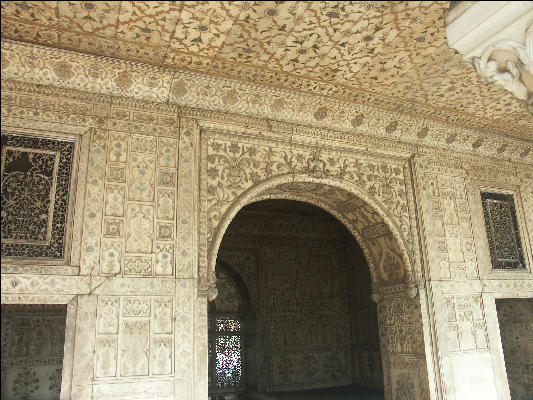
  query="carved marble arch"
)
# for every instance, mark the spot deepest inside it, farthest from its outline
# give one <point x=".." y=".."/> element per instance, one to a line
<point x="384" y="247"/>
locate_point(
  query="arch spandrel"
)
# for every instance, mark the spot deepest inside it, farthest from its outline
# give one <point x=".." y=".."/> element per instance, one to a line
<point x="388" y="258"/>
<point x="368" y="191"/>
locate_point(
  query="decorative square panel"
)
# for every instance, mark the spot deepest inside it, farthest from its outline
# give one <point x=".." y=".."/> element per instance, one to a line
<point x="36" y="178"/>
<point x="502" y="231"/>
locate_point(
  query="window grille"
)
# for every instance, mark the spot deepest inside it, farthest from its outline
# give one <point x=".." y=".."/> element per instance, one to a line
<point x="502" y="231"/>
<point x="225" y="339"/>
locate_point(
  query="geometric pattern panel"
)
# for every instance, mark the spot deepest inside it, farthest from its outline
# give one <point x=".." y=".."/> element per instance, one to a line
<point x="36" y="176"/>
<point x="502" y="231"/>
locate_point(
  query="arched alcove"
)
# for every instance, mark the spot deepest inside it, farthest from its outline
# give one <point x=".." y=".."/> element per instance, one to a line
<point x="312" y="323"/>
<point x="398" y="313"/>
<point x="386" y="245"/>
<point x="369" y="195"/>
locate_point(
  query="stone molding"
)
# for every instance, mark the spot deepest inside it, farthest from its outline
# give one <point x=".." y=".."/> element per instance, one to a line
<point x="102" y="112"/>
<point x="38" y="65"/>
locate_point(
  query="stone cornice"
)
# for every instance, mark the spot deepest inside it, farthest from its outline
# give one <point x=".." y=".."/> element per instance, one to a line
<point x="130" y="85"/>
<point x="66" y="104"/>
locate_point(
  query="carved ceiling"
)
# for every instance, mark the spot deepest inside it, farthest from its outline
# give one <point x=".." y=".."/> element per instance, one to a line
<point x="387" y="54"/>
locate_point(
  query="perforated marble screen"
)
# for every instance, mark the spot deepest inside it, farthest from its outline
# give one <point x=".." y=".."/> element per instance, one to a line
<point x="502" y="231"/>
<point x="36" y="179"/>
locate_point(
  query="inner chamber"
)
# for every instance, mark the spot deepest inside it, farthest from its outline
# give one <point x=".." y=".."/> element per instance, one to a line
<point x="293" y="318"/>
<point x="33" y="337"/>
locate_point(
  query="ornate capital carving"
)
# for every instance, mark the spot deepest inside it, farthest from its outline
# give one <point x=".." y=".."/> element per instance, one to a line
<point x="498" y="40"/>
<point x="509" y="64"/>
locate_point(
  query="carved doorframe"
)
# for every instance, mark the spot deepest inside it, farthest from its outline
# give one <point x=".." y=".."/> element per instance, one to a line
<point x="237" y="169"/>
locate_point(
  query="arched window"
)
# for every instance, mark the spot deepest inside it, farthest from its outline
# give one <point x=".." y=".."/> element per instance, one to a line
<point x="225" y="314"/>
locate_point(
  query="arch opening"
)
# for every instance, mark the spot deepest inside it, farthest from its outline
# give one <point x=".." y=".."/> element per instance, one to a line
<point x="311" y="326"/>
<point x="387" y="249"/>
<point x="385" y="244"/>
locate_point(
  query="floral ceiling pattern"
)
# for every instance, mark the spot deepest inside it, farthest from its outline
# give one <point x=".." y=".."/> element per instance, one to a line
<point x="384" y="53"/>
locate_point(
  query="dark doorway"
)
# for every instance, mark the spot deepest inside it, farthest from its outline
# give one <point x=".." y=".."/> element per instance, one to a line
<point x="33" y="338"/>
<point x="310" y="327"/>
<point x="515" y="317"/>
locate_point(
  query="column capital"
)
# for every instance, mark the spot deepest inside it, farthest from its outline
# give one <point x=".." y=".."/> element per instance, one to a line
<point x="497" y="38"/>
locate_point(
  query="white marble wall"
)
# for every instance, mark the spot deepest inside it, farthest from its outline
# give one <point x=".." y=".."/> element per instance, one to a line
<point x="148" y="208"/>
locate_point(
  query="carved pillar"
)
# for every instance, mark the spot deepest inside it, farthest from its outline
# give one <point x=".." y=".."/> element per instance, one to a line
<point x="190" y="270"/>
<point x="497" y="38"/>
<point x="454" y="289"/>
<point x="402" y="344"/>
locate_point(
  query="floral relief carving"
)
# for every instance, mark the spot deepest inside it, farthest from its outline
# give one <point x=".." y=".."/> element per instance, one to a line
<point x="108" y="309"/>
<point x="55" y="381"/>
<point x="116" y="173"/>
<point x="136" y="307"/>
<point x="111" y="256"/>
<point x="165" y="204"/>
<point x="106" y="356"/>
<point x="404" y="387"/>
<point x="125" y="321"/>
<point x="118" y="147"/>
<point x="113" y="228"/>
<point x="164" y="259"/>
<point x="135" y="337"/>
<point x="26" y="383"/>
<point x="165" y="231"/>
<point x="162" y="356"/>
<point x="234" y="167"/>
<point x="140" y="228"/>
<point x="141" y="178"/>
<point x="143" y="144"/>
<point x="465" y="323"/>
<point x="114" y="200"/>
<point x="167" y="152"/>
<point x="135" y="265"/>
<point x="453" y="246"/>
<point x="163" y="316"/>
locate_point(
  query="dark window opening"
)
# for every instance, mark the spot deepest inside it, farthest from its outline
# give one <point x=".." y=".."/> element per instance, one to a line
<point x="502" y="231"/>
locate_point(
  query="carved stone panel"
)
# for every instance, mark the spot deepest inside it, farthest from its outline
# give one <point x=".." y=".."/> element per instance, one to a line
<point x="140" y="228"/>
<point x="451" y="237"/>
<point x="141" y="178"/>
<point x="36" y="184"/>
<point x="135" y="348"/>
<point x="465" y="323"/>
<point x="134" y="336"/>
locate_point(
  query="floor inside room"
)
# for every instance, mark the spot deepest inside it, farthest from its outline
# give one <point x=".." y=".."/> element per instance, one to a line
<point x="337" y="393"/>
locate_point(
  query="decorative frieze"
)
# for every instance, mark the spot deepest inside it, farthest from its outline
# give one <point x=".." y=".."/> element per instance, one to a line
<point x="343" y="116"/>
